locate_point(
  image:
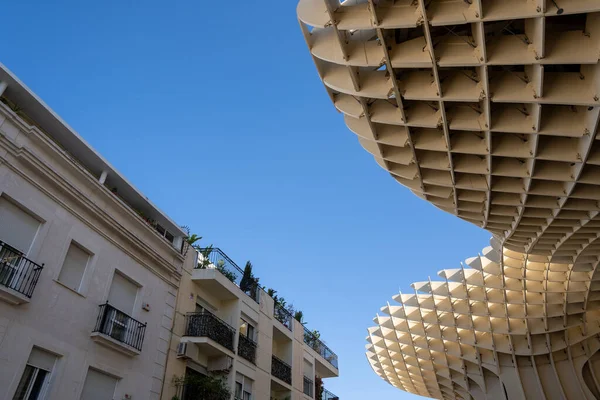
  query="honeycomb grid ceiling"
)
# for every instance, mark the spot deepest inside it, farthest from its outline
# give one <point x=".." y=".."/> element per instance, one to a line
<point x="489" y="110"/>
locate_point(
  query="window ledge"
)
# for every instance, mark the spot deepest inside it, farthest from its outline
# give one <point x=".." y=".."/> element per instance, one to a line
<point x="111" y="343"/>
<point x="12" y="296"/>
<point x="69" y="288"/>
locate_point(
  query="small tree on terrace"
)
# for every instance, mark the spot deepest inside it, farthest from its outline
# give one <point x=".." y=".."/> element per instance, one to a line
<point x="248" y="281"/>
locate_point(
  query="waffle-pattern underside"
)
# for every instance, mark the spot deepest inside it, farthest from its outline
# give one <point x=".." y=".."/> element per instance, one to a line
<point x="488" y="109"/>
<point x="508" y="324"/>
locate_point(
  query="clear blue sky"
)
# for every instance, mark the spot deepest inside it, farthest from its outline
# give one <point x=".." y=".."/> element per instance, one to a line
<point x="215" y="111"/>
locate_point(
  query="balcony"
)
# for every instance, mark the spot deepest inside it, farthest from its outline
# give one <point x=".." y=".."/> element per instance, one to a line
<point x="18" y="275"/>
<point x="327" y="395"/>
<point x="118" y="331"/>
<point x="281" y="370"/>
<point x="308" y="386"/>
<point x="210" y="333"/>
<point x="282" y="315"/>
<point x="219" y="275"/>
<point x="247" y="348"/>
<point x="325" y="352"/>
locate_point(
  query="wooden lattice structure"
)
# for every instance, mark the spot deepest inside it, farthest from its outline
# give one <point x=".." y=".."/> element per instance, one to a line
<point x="489" y="110"/>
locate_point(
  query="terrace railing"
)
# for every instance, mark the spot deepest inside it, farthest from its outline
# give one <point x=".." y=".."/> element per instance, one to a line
<point x="308" y="386"/>
<point x="120" y="326"/>
<point x="217" y="259"/>
<point x="317" y="345"/>
<point x="282" y="315"/>
<point x="18" y="272"/>
<point x="206" y="324"/>
<point x="247" y="348"/>
<point x="281" y="370"/>
<point x="327" y="395"/>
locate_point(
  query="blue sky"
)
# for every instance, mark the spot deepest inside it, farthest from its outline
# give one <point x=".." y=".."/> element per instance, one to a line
<point x="215" y="111"/>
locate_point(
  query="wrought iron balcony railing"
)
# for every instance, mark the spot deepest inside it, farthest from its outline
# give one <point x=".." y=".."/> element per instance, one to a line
<point x="317" y="345"/>
<point x="120" y="326"/>
<point x="281" y="370"/>
<point x="18" y="272"/>
<point x="205" y="324"/>
<point x="327" y="395"/>
<point x="217" y="259"/>
<point x="247" y="348"/>
<point x="308" y="386"/>
<point x="282" y="315"/>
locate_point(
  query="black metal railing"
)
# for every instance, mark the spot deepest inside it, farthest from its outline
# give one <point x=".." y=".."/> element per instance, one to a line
<point x="281" y="370"/>
<point x="18" y="272"/>
<point x="120" y="326"/>
<point x="217" y="259"/>
<point x="206" y="324"/>
<point x="327" y="395"/>
<point x="308" y="386"/>
<point x="247" y="348"/>
<point x="317" y="345"/>
<point x="282" y="315"/>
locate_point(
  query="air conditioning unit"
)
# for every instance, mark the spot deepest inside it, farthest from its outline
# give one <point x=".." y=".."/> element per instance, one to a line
<point x="186" y="350"/>
<point x="220" y="364"/>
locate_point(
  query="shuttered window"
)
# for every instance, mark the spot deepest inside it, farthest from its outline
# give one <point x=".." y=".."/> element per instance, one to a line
<point x="36" y="377"/>
<point x="74" y="266"/>
<point x="17" y="227"/>
<point x="122" y="294"/>
<point x="98" y="386"/>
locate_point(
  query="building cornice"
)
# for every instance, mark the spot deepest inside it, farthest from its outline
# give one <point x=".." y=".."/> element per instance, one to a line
<point x="158" y="256"/>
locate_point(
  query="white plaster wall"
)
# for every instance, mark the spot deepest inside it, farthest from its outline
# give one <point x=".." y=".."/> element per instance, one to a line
<point x="61" y="320"/>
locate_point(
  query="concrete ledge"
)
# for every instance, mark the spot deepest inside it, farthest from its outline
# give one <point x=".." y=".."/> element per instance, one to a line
<point x="208" y="346"/>
<point x="323" y="367"/>
<point x="111" y="343"/>
<point x="12" y="296"/>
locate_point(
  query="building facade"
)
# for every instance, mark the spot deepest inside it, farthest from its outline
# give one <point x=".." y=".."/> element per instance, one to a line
<point x="102" y="298"/>
<point x="230" y="328"/>
<point x="87" y="286"/>
<point x="489" y="110"/>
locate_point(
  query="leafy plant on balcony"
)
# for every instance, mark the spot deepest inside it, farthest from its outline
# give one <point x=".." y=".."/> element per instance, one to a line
<point x="312" y="338"/>
<point x="248" y="282"/>
<point x="220" y="266"/>
<point x="203" y="387"/>
<point x="204" y="260"/>
<point x="193" y="239"/>
<point x="299" y="316"/>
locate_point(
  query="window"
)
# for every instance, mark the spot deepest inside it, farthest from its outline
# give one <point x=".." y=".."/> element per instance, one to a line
<point x="17" y="227"/>
<point x="98" y="386"/>
<point x="122" y="297"/>
<point x="243" y="387"/>
<point x="74" y="266"/>
<point x="122" y="294"/>
<point x="36" y="377"/>
<point x="165" y="233"/>
<point x="246" y="329"/>
<point x="200" y="308"/>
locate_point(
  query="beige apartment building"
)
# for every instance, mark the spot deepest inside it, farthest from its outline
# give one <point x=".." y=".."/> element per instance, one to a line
<point x="89" y="268"/>
<point x="236" y="331"/>
<point x="102" y="298"/>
